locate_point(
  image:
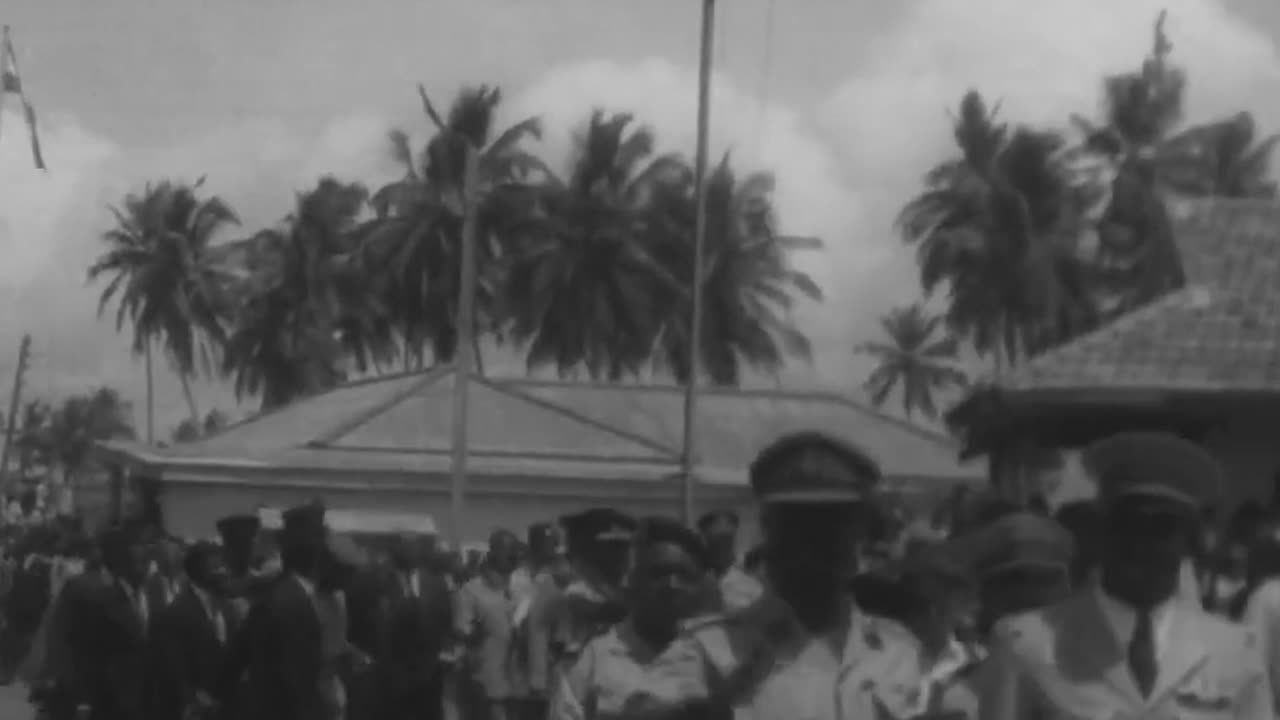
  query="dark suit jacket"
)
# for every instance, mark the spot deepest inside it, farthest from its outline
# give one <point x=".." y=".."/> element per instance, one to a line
<point x="286" y="655"/>
<point x="106" y="640"/>
<point x="414" y="631"/>
<point x="186" y="654"/>
<point x="158" y="595"/>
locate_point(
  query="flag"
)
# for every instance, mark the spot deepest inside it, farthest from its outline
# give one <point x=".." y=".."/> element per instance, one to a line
<point x="11" y="84"/>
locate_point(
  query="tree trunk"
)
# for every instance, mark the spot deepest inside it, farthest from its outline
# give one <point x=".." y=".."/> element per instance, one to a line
<point x="189" y="395"/>
<point x="477" y="355"/>
<point x="151" y="395"/>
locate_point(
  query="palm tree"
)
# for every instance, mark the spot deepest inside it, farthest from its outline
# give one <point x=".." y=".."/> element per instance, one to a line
<point x="301" y="312"/>
<point x="417" y="239"/>
<point x="161" y="278"/>
<point x="583" y="290"/>
<point x="81" y="421"/>
<point x="999" y="227"/>
<point x="32" y="441"/>
<point x="1153" y="157"/>
<point x="187" y="431"/>
<point x="917" y="356"/>
<point x="750" y="284"/>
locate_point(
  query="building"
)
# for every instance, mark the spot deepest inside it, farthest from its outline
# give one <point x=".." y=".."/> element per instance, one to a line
<point x="1202" y="361"/>
<point x="537" y="450"/>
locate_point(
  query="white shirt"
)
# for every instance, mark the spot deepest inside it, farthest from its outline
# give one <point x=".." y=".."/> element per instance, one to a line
<point x="1123" y="620"/>
<point x="412" y="587"/>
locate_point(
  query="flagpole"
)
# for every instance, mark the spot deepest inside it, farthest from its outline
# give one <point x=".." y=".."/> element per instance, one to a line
<point x="689" y="459"/>
<point x="463" y="352"/>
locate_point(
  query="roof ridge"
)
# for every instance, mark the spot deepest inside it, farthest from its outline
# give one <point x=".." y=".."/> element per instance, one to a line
<point x="773" y="393"/>
<point x="505" y="387"/>
<point x="346" y="427"/>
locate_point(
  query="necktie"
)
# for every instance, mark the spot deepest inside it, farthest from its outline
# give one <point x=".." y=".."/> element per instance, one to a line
<point x="1142" y="653"/>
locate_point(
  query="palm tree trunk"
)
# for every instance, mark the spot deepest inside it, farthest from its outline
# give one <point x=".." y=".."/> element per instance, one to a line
<point x="189" y="395"/>
<point x="151" y="395"/>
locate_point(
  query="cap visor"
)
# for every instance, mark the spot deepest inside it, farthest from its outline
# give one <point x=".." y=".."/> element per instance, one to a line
<point x="813" y="497"/>
<point x="1155" y="490"/>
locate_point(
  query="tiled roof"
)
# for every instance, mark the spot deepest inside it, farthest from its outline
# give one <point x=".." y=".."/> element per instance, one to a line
<point x="1221" y="332"/>
<point x="406" y="420"/>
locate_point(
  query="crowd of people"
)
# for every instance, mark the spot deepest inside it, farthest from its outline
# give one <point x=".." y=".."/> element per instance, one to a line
<point x="1128" y="605"/>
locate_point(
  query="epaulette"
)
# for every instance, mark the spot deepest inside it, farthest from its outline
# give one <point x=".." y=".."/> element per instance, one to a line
<point x="878" y="631"/>
<point x="702" y="622"/>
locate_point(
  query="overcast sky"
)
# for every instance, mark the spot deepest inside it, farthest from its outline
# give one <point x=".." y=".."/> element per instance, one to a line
<point x="845" y="99"/>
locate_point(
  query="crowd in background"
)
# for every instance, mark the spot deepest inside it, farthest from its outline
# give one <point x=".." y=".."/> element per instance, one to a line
<point x="559" y="621"/>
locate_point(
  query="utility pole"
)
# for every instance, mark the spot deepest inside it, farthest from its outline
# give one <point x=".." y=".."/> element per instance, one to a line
<point x="689" y="459"/>
<point x="15" y="402"/>
<point x="463" y="360"/>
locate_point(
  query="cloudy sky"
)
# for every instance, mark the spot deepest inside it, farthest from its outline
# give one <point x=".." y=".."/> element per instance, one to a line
<point x="846" y="100"/>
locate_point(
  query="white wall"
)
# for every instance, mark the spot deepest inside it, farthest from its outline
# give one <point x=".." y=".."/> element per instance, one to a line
<point x="192" y="505"/>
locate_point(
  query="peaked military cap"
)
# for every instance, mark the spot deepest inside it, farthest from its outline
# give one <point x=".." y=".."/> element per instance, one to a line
<point x="719" y="522"/>
<point x="813" y="468"/>
<point x="304" y="520"/>
<point x="233" y="527"/>
<point x="665" y="530"/>
<point x="598" y="525"/>
<point x="938" y="559"/>
<point x="1153" y="464"/>
<point x="1020" y="540"/>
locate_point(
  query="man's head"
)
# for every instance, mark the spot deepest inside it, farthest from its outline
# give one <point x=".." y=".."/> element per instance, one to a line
<point x="669" y="580"/>
<point x="504" y="551"/>
<point x="719" y="532"/>
<point x="937" y="579"/>
<point x="303" y="538"/>
<point x="239" y="533"/>
<point x="1021" y="562"/>
<point x="1152" y="487"/>
<point x="601" y="541"/>
<point x="122" y="555"/>
<point x="204" y="567"/>
<point x="544" y="543"/>
<point x="813" y="492"/>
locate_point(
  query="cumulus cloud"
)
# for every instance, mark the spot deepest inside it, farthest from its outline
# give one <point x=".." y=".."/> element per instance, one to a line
<point x="1044" y="60"/>
<point x="843" y="166"/>
<point x="50" y="225"/>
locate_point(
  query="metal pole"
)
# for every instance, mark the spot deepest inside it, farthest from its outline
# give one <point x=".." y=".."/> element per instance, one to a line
<point x="689" y="460"/>
<point x="15" y="404"/>
<point x="463" y="353"/>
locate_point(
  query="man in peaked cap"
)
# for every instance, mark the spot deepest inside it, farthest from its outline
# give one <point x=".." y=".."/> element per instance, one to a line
<point x="287" y="655"/>
<point x="1022" y="562"/>
<point x="106" y="620"/>
<point x="599" y="543"/>
<point x="813" y="490"/>
<point x="1125" y="646"/>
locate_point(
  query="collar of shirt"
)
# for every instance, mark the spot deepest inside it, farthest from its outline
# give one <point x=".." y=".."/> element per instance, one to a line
<point x="1122" y="620"/>
<point x="205" y="600"/>
<point x="307" y="586"/>
<point x="954" y="657"/>
<point x="410" y="583"/>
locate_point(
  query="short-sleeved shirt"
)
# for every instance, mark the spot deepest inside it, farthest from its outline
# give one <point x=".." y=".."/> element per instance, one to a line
<point x="767" y="666"/>
<point x="604" y="676"/>
<point x="484" y="613"/>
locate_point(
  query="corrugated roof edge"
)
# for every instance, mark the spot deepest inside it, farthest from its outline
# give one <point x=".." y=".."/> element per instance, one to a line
<point x="827" y="396"/>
